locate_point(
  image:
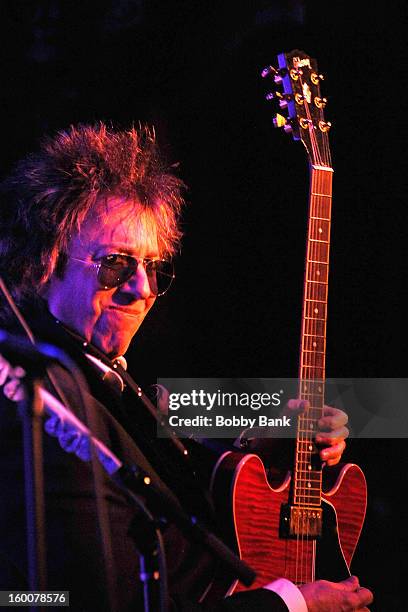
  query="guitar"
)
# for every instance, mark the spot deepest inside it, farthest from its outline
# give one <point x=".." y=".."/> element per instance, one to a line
<point x="295" y="529"/>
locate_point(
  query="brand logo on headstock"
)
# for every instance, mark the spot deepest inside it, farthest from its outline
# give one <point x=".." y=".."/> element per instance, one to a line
<point x="307" y="94"/>
<point x="299" y="63"/>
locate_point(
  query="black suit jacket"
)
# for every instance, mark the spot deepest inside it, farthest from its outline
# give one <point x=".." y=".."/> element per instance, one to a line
<point x="75" y="555"/>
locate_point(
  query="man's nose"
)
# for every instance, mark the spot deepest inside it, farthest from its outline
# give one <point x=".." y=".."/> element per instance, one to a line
<point x="138" y="284"/>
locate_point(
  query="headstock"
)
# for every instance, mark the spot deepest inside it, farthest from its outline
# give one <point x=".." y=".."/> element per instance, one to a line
<point x="299" y="77"/>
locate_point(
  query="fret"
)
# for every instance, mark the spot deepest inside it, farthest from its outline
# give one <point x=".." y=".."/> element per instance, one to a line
<point x="317" y="504"/>
<point x="318" y="251"/>
<point x="317" y="282"/>
<point x="311" y="358"/>
<point x="318" y="396"/>
<point x="310" y="425"/>
<point x="317" y="270"/>
<point x="309" y="318"/>
<point x="320" y="301"/>
<point x="320" y="208"/>
<point x="322" y="195"/>
<point x="316" y="326"/>
<point x="306" y="384"/>
<point x="307" y="418"/>
<point x="307" y="443"/>
<point x="317" y="292"/>
<point x="321" y="241"/>
<point x="320" y="218"/>
<point x="313" y="336"/>
<point x="317" y="409"/>
<point x="308" y="397"/>
<point x="312" y="473"/>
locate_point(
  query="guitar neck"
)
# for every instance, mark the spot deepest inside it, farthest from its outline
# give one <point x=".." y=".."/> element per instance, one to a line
<point x="307" y="480"/>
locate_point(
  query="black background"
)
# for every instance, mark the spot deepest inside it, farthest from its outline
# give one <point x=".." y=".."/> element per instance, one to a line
<point x="193" y="70"/>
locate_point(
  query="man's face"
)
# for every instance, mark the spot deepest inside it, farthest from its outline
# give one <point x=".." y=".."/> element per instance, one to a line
<point x="108" y="318"/>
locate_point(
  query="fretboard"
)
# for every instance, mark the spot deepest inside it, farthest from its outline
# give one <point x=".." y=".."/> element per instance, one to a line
<point x="307" y="478"/>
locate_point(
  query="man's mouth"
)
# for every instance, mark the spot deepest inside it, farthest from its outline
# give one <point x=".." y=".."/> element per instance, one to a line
<point x="127" y="310"/>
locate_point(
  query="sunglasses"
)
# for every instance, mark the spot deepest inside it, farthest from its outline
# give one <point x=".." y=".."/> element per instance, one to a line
<point x="115" y="269"/>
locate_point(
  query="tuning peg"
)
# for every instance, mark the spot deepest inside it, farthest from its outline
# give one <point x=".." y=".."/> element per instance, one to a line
<point x="281" y="121"/>
<point x="315" y="78"/>
<point x="268" y="71"/>
<point x="324" y="126"/>
<point x="277" y="95"/>
<point x="278" y="73"/>
<point x="320" y="102"/>
<point x="273" y="95"/>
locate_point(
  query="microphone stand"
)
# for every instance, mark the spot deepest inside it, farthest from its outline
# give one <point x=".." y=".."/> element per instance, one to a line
<point x="153" y="574"/>
<point x="161" y="505"/>
<point x="30" y="409"/>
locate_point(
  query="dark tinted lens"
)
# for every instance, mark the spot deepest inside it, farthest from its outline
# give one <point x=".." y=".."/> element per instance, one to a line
<point x="116" y="270"/>
<point x="160" y="274"/>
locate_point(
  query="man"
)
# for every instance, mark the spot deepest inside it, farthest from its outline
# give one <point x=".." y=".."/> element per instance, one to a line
<point x="88" y="228"/>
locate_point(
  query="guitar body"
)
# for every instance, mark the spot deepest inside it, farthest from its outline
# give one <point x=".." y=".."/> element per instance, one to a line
<point x="252" y="515"/>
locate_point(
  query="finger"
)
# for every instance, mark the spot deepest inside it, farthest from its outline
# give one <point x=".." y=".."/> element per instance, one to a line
<point x="14" y="390"/>
<point x="83" y="450"/>
<point x="360" y="598"/>
<point x="19" y="372"/>
<point x="338" y="416"/>
<point x="331" y="438"/>
<point x="4" y="370"/>
<point x="329" y="423"/>
<point x="69" y="441"/>
<point x="50" y="425"/>
<point x="332" y="455"/>
<point x="295" y="407"/>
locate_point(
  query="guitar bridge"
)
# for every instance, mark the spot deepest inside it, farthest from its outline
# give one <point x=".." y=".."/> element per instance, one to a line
<point x="300" y="521"/>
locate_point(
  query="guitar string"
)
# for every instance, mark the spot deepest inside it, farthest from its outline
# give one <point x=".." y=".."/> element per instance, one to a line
<point x="304" y="437"/>
<point x="313" y="291"/>
<point x="308" y="495"/>
<point x="323" y="178"/>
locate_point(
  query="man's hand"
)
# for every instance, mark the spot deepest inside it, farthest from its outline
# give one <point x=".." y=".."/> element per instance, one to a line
<point x="332" y="429"/>
<point x="346" y="596"/>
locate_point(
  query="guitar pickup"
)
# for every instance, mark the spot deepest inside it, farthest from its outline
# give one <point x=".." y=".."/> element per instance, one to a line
<point x="300" y="521"/>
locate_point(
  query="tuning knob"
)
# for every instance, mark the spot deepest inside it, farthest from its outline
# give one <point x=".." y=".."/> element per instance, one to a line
<point x="320" y="102"/>
<point x="316" y="78"/>
<point x="277" y="95"/>
<point x="281" y="121"/>
<point x="324" y="126"/>
<point x="278" y="73"/>
<point x="268" y="71"/>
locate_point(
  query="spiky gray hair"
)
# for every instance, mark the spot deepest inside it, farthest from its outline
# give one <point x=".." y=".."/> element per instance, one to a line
<point x="49" y="193"/>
